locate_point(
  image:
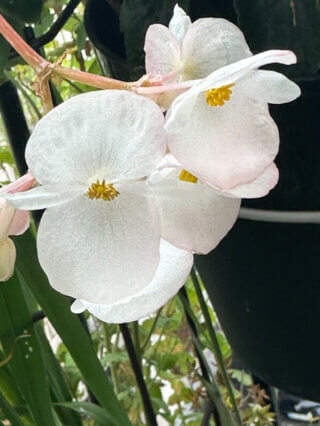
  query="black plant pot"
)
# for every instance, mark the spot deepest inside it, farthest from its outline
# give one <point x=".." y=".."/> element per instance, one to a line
<point x="103" y="29"/>
<point x="264" y="278"/>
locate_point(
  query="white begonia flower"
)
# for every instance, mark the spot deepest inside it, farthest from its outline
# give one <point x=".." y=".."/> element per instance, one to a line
<point x="99" y="239"/>
<point x="221" y="131"/>
<point x="229" y="145"/>
<point x="188" y="51"/>
<point x="12" y="222"/>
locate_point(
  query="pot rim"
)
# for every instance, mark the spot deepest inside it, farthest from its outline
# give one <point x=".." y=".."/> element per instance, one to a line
<point x="280" y="216"/>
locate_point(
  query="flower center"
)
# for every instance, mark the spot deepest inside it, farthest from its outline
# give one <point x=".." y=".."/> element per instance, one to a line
<point x="102" y="190"/>
<point x="215" y="97"/>
<point x="187" y="177"/>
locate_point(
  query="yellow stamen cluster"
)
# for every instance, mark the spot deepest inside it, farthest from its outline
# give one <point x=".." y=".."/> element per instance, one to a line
<point x="215" y="97"/>
<point x="102" y="190"/>
<point x="187" y="177"/>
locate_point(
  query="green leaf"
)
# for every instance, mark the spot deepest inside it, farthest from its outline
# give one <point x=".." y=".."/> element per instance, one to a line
<point x="135" y="17"/>
<point x="94" y="412"/>
<point x="68" y="326"/>
<point x="5" y="47"/>
<point x="22" y="10"/>
<point x="115" y="357"/>
<point x="283" y="24"/>
<point x="80" y="36"/>
<point x="226" y="417"/>
<point x="26" y="365"/>
<point x="5" y="155"/>
<point x="58" y="385"/>
<point x="45" y="23"/>
<point x="10" y="413"/>
<point x="59" y="388"/>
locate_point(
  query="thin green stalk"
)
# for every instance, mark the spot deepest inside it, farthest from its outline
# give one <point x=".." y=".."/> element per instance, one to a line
<point x="78" y="89"/>
<point x="220" y="412"/>
<point x="153" y="326"/>
<point x="137" y="369"/>
<point x="108" y="345"/>
<point x="116" y="341"/>
<point x="215" y="344"/>
<point x="157" y="344"/>
<point x="136" y="339"/>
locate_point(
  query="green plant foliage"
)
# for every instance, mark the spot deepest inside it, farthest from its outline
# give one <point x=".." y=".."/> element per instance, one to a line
<point x="58" y="385"/>
<point x="283" y="24"/>
<point x="5" y="47"/>
<point x="26" y="365"/>
<point x="135" y="17"/>
<point x="94" y="412"/>
<point x="255" y="415"/>
<point x="9" y="412"/>
<point x="21" y="10"/>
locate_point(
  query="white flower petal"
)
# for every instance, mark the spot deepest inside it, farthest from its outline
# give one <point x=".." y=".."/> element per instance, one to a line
<point x="260" y="187"/>
<point x="193" y="217"/>
<point x="212" y="43"/>
<point x="45" y="196"/>
<point x="110" y="134"/>
<point x="21" y="184"/>
<point x="172" y="272"/>
<point x="7" y="259"/>
<point x="270" y="86"/>
<point x="229" y="145"/>
<point x="163" y="53"/>
<point x="179" y="24"/>
<point x="6" y="217"/>
<point x="100" y="251"/>
<point x="182" y="107"/>
<point x="78" y="307"/>
<point x="20" y="222"/>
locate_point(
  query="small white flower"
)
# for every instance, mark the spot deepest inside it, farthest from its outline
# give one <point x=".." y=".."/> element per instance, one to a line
<point x="188" y="51"/>
<point x="221" y="130"/>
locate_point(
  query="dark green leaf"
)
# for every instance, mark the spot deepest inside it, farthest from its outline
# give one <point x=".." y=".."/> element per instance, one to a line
<point x="68" y="326"/>
<point x="8" y="386"/>
<point x="45" y="23"/>
<point x="59" y="388"/>
<point x="22" y="10"/>
<point x="26" y="365"/>
<point x="80" y="36"/>
<point x="5" y="47"/>
<point x="135" y="17"/>
<point x="214" y="394"/>
<point x="94" y="412"/>
<point x="9" y="412"/>
<point x="283" y="24"/>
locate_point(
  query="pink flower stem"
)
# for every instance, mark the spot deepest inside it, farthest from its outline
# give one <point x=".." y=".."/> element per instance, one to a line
<point x="184" y="85"/>
<point x="91" y="79"/>
<point x="44" y="68"/>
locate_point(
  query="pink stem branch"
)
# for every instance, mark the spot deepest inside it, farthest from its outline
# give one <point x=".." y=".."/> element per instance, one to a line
<point x="93" y="80"/>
